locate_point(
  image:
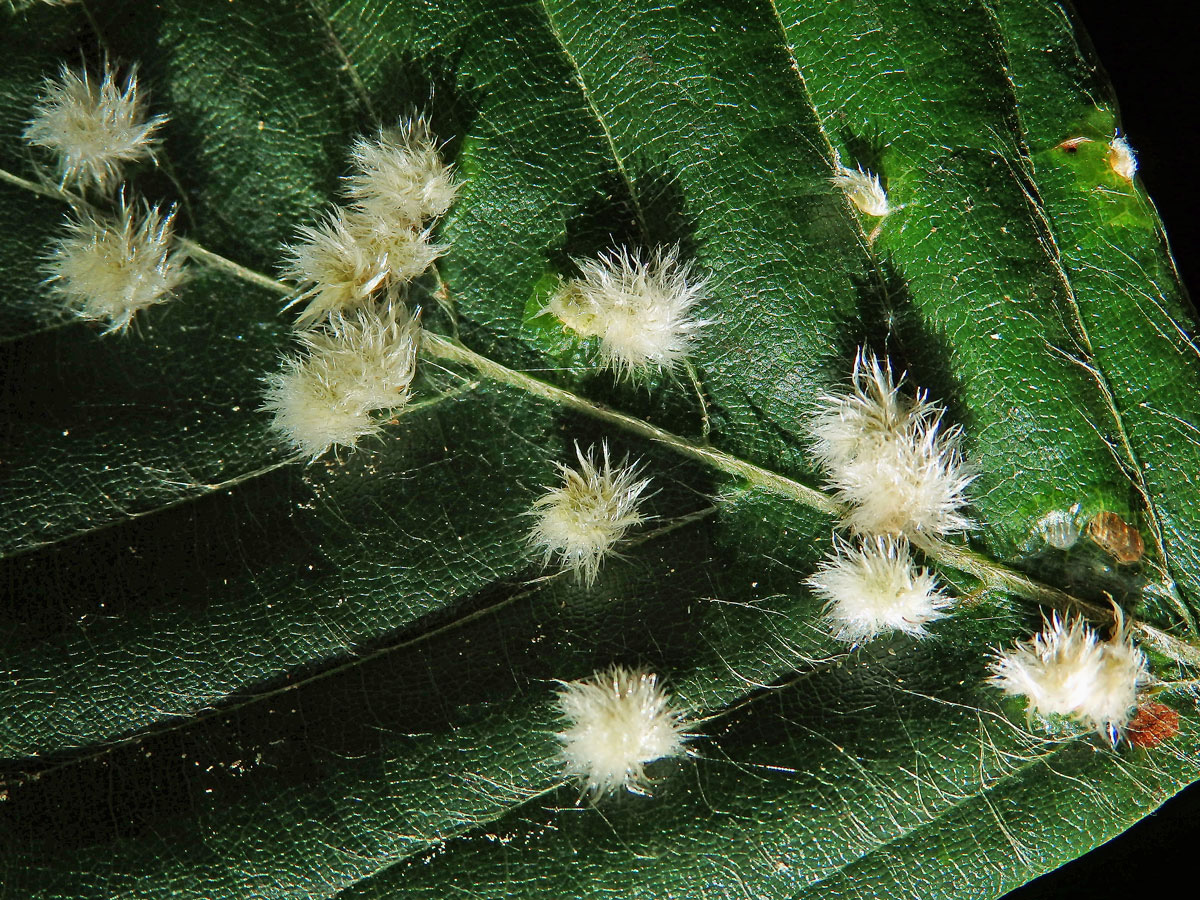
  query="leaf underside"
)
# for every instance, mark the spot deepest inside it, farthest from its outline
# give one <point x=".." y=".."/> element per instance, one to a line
<point x="228" y="674"/>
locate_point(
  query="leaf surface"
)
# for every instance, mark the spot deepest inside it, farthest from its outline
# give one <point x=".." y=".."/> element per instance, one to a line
<point x="231" y="675"/>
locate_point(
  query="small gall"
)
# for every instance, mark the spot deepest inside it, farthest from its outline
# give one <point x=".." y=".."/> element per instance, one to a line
<point x="864" y="190"/>
<point x="109" y="269"/>
<point x="889" y="458"/>
<point x="346" y="258"/>
<point x="1066" y="670"/>
<point x="1060" y="528"/>
<point x="359" y="364"/>
<point x="615" y="724"/>
<point x="876" y="589"/>
<point x="399" y="176"/>
<point x="94" y="126"/>
<point x="641" y="308"/>
<point x="580" y="522"/>
<point x="1122" y="159"/>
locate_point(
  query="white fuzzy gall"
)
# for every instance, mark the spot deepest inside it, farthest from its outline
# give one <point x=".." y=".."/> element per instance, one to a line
<point x="1066" y="670"/>
<point x="362" y="363"/>
<point x="876" y="589"/>
<point x="641" y="309"/>
<point x="347" y="258"/>
<point x="107" y="270"/>
<point x="93" y="126"/>
<point x="616" y="723"/>
<point x="889" y="458"/>
<point x="1122" y="159"/>
<point x="580" y="522"/>
<point x="400" y="176"/>
<point x="864" y="190"/>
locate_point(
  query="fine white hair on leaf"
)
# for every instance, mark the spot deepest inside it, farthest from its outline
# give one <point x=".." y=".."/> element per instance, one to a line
<point x="361" y="363"/>
<point x="94" y="126"/>
<point x="108" y="269"/>
<point x="347" y="257"/>
<point x="1066" y="670"/>
<point x="889" y="458"/>
<point x="615" y="723"/>
<point x="876" y="589"/>
<point x="400" y="176"/>
<point x="1121" y="158"/>
<point x="580" y="522"/>
<point x="863" y="190"/>
<point x="641" y="308"/>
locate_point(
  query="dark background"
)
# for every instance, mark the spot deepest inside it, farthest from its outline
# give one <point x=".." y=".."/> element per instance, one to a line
<point x="1149" y="49"/>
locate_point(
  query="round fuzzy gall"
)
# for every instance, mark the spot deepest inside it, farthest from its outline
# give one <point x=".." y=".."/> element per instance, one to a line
<point x="93" y="126"/>
<point x="615" y="723"/>
<point x="359" y="364"/>
<point x="864" y="190"/>
<point x="641" y="309"/>
<point x="399" y="175"/>
<point x="109" y="269"/>
<point x="581" y="521"/>
<point x="889" y="458"/>
<point x="876" y="589"/>
<point x="1066" y="670"/>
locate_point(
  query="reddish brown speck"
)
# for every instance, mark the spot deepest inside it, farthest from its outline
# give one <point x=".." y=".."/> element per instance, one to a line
<point x="1152" y="724"/>
<point x="1070" y="145"/>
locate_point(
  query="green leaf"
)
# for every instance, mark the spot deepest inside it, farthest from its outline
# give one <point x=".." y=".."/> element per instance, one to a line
<point x="231" y="674"/>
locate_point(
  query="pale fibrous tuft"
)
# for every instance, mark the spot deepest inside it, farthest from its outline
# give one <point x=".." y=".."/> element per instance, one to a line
<point x="108" y="269"/>
<point x="616" y="723"/>
<point x="93" y="126"/>
<point x="360" y="363"/>
<point x="876" y="589"/>
<point x="398" y="184"/>
<point x="864" y="190"/>
<point x="1066" y="670"/>
<point x="641" y="308"/>
<point x="346" y="258"/>
<point x="889" y="458"/>
<point x="400" y="176"/>
<point x="1121" y="158"/>
<point x="581" y="521"/>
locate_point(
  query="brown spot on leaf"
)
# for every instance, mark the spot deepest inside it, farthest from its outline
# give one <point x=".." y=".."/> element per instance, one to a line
<point x="1116" y="536"/>
<point x="1153" y="724"/>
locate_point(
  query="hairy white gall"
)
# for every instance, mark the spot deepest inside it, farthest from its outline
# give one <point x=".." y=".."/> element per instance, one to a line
<point x="889" y="458"/>
<point x="361" y="363"/>
<point x="641" y="308"/>
<point x="399" y="175"/>
<point x="581" y="521"/>
<point x="398" y="183"/>
<point x="1066" y="670"/>
<point x="344" y="260"/>
<point x="108" y="269"/>
<point x="614" y="724"/>
<point x="93" y="126"/>
<point x="864" y="190"/>
<point x="876" y="589"/>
